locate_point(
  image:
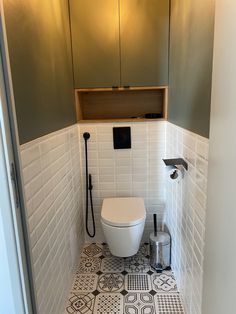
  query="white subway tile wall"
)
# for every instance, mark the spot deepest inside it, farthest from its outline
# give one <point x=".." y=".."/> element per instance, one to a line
<point x="185" y="213"/>
<point x="137" y="172"/>
<point x="52" y="178"/>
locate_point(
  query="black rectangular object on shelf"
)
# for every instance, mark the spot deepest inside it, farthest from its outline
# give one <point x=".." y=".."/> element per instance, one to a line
<point x="121" y="137"/>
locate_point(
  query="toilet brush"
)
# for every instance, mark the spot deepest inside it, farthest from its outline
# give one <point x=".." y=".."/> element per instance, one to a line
<point x="155" y="224"/>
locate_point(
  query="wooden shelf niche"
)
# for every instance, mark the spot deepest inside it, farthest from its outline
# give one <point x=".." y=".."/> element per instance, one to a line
<point x="121" y="104"/>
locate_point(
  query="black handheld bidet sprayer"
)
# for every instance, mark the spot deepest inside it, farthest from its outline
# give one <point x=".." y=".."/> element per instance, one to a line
<point x="89" y="188"/>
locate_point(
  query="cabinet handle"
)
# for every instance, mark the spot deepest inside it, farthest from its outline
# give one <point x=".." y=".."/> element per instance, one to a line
<point x="114" y="87"/>
<point x="126" y="86"/>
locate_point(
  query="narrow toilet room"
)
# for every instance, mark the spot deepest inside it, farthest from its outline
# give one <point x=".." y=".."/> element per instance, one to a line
<point x="114" y="168"/>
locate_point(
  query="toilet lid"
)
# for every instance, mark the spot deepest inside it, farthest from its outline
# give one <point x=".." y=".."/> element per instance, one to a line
<point x="123" y="212"/>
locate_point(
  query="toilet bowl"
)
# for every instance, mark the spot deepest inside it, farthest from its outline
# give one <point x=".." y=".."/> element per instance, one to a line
<point x="123" y="221"/>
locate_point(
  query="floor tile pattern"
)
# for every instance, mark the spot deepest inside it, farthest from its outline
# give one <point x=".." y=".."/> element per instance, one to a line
<point x="80" y="303"/>
<point x="169" y="303"/>
<point x="164" y="282"/>
<point x="85" y="282"/>
<point x="112" y="265"/>
<point x="105" y="284"/>
<point x="107" y="303"/>
<point x="137" y="264"/>
<point x="138" y="282"/>
<point x="110" y="283"/>
<point x="139" y="303"/>
<point x="89" y="265"/>
<point x="92" y="250"/>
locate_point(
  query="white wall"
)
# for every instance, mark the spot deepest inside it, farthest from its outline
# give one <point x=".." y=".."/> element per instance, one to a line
<point x="138" y="171"/>
<point x="51" y="173"/>
<point x="219" y="291"/>
<point x="185" y="213"/>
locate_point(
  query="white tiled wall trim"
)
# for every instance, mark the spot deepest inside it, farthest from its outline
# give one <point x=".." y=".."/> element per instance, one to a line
<point x="51" y="173"/>
<point x="138" y="171"/>
<point x="185" y="213"/>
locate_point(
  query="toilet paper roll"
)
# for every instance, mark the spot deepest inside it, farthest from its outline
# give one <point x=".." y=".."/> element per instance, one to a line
<point x="175" y="173"/>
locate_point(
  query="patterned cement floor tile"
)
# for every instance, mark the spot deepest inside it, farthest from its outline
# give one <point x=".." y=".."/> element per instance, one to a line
<point x="139" y="303"/>
<point x="89" y="265"/>
<point x="143" y="250"/>
<point x="109" y="303"/>
<point x="92" y="250"/>
<point x="111" y="282"/>
<point x="137" y="264"/>
<point x="85" y="283"/>
<point x="137" y="282"/>
<point x="168" y="303"/>
<point x="106" y="251"/>
<point x="112" y="265"/>
<point x="164" y="282"/>
<point x="80" y="303"/>
<point x="110" y="285"/>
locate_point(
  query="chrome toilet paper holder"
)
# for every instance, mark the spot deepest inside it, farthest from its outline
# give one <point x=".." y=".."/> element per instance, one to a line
<point x="176" y="162"/>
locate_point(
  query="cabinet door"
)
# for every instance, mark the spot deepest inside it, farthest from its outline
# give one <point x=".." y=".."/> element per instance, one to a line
<point x="144" y="33"/>
<point x="95" y="42"/>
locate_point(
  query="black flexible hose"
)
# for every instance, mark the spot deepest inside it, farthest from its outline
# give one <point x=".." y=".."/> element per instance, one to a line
<point x="89" y="188"/>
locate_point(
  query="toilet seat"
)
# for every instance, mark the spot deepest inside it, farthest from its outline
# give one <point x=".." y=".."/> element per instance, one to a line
<point x="123" y="212"/>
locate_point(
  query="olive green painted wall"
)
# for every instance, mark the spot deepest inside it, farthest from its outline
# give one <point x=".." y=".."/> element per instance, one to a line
<point x="191" y="50"/>
<point x="40" y="56"/>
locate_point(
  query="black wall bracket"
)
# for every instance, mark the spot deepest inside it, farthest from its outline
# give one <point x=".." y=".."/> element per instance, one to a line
<point x="176" y="162"/>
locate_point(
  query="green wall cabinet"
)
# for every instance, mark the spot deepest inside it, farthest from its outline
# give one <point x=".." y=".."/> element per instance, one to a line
<point x="95" y="42"/>
<point x="120" y="42"/>
<point x="144" y="40"/>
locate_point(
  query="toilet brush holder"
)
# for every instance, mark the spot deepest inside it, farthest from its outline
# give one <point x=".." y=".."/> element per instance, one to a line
<point x="159" y="248"/>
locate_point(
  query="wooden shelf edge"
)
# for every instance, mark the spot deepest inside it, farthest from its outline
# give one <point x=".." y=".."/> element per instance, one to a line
<point x="119" y="89"/>
<point x="121" y="120"/>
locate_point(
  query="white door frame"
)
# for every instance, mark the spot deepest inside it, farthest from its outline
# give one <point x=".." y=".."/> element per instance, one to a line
<point x="14" y="213"/>
<point x="12" y="286"/>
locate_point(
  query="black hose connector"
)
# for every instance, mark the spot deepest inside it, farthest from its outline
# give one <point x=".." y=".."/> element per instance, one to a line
<point x="86" y="136"/>
<point x="90" y="186"/>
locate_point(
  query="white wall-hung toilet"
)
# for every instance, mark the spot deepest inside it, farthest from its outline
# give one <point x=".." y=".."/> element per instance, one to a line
<point x="123" y="221"/>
